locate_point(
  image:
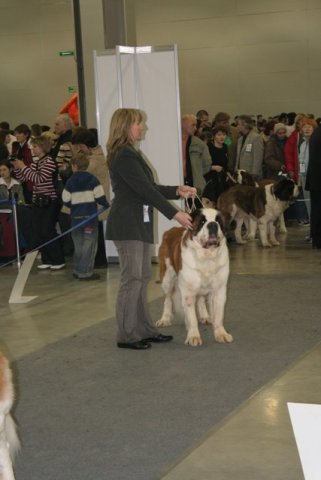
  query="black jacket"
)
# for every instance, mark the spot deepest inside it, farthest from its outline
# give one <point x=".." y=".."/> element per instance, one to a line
<point x="133" y="185"/>
<point x="313" y="181"/>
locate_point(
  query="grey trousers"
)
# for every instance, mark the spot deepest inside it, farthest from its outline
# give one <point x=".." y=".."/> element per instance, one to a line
<point x="132" y="314"/>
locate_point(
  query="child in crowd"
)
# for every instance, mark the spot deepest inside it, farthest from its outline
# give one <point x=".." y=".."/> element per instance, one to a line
<point x="82" y="194"/>
<point x="9" y="187"/>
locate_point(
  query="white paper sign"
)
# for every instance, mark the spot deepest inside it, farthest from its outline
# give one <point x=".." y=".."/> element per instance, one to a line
<point x="306" y="423"/>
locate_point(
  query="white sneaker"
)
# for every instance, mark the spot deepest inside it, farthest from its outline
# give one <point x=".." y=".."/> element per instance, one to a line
<point x="44" y="266"/>
<point x="57" y="267"/>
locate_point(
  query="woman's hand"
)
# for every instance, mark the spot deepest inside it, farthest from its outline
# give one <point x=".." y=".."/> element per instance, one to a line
<point x="184" y="219"/>
<point x="217" y="168"/>
<point x="185" y="191"/>
<point x="18" y="163"/>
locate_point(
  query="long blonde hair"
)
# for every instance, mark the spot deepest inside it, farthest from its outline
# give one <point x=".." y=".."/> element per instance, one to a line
<point x="119" y="130"/>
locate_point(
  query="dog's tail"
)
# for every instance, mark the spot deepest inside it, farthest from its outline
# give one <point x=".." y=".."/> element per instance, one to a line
<point x="11" y="436"/>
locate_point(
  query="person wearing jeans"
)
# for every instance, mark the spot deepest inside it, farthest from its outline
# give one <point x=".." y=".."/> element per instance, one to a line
<point x="85" y="243"/>
<point x="82" y="194"/>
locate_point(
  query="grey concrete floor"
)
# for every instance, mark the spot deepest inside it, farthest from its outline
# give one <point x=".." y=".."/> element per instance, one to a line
<point x="256" y="441"/>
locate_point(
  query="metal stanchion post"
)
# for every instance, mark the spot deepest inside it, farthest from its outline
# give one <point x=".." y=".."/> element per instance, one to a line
<point x="22" y="277"/>
<point x="14" y="211"/>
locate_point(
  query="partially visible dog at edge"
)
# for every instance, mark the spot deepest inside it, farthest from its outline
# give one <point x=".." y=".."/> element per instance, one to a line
<point x="196" y="264"/>
<point x="9" y="441"/>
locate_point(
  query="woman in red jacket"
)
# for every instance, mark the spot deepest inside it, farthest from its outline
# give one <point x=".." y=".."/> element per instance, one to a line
<point x="291" y="162"/>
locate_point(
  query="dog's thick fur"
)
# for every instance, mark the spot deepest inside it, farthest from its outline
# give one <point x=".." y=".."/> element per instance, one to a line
<point x="196" y="263"/>
<point x="9" y="442"/>
<point x="260" y="206"/>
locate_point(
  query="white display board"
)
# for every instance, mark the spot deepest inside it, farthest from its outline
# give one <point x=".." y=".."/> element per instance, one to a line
<point x="144" y="78"/>
<point x="306" y="423"/>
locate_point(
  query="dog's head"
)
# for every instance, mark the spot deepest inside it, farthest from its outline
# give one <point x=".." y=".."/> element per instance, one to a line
<point x="207" y="228"/>
<point x="244" y="178"/>
<point x="286" y="189"/>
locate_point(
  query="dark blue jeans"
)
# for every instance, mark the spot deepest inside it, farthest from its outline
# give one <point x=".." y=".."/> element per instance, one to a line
<point x="85" y="245"/>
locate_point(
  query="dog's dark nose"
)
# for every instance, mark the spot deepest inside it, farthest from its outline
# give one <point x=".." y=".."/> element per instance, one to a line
<point x="212" y="228"/>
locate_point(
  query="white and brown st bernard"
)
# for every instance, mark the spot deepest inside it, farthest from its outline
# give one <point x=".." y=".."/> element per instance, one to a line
<point x="9" y="442"/>
<point x="196" y="263"/>
<point x="242" y="177"/>
<point x="260" y="206"/>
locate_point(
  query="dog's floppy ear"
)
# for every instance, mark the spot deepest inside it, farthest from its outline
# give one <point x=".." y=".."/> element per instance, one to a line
<point x="195" y="214"/>
<point x="283" y="189"/>
<point x="248" y="179"/>
<point x="222" y="221"/>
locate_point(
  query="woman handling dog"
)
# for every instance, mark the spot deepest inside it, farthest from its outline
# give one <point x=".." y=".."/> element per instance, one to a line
<point x="130" y="225"/>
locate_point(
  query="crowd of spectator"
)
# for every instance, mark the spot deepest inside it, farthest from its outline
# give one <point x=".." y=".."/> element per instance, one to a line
<point x="35" y="164"/>
<point x="266" y="148"/>
<point x="35" y="167"/>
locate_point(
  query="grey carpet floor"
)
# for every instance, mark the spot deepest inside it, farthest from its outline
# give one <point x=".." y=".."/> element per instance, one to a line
<point x="88" y="410"/>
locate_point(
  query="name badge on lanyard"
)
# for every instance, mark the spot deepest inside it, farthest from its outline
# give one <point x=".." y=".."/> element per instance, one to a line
<point x="146" y="214"/>
<point x="302" y="167"/>
<point x="248" y="148"/>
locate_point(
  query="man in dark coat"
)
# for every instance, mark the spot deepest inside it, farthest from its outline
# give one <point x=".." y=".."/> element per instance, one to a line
<point x="313" y="184"/>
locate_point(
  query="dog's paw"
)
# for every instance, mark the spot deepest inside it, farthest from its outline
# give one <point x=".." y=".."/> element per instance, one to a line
<point x="240" y="241"/>
<point x="194" y="341"/>
<point x="221" y="336"/>
<point x="282" y="230"/>
<point x="165" y="321"/>
<point x="276" y="243"/>
<point x="266" y="245"/>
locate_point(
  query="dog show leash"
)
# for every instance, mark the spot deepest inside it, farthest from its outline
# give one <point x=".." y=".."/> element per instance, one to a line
<point x="191" y="208"/>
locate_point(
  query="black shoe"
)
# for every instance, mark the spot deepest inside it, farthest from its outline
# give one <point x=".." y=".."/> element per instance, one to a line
<point x="135" y="345"/>
<point x="158" y="338"/>
<point x="94" y="276"/>
<point x="75" y="275"/>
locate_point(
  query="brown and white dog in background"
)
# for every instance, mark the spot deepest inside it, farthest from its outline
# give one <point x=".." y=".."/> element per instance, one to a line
<point x="243" y="177"/>
<point x="259" y="206"/>
<point x="196" y="264"/>
<point x="9" y="442"/>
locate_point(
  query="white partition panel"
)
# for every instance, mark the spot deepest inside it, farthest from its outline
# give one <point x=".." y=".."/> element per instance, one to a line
<point x="145" y="78"/>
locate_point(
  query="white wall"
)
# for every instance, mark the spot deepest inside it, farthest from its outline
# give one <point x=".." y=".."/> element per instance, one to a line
<point x="240" y="56"/>
<point x="34" y="80"/>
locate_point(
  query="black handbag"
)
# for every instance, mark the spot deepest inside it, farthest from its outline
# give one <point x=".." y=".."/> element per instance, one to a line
<point x="41" y="201"/>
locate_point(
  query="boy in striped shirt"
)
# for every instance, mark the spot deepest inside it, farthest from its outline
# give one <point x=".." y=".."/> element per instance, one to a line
<point x="82" y="194"/>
